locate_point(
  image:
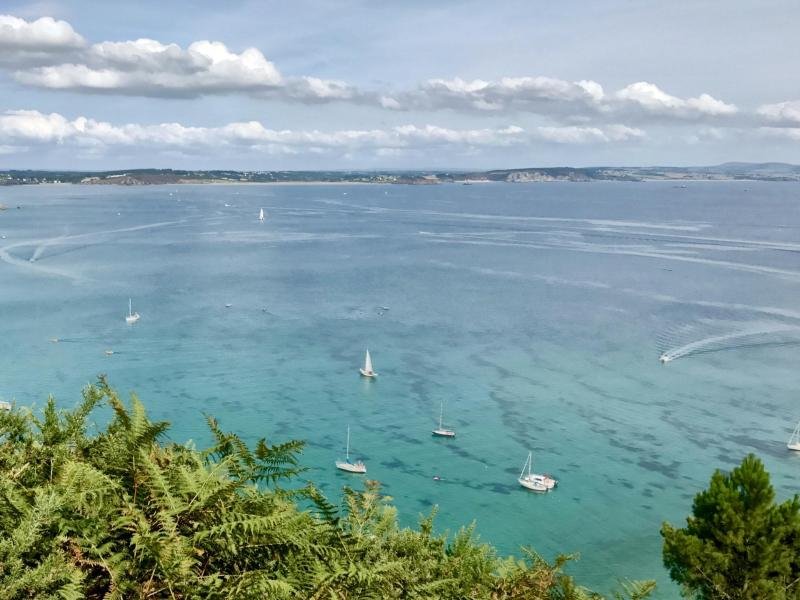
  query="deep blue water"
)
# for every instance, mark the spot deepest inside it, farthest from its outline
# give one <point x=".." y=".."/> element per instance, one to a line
<point x="537" y="312"/>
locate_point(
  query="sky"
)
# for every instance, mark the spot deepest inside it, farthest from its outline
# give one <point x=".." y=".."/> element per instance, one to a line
<point x="366" y="84"/>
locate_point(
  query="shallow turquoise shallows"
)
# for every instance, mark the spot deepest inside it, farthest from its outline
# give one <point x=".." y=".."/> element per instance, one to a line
<point x="537" y="312"/>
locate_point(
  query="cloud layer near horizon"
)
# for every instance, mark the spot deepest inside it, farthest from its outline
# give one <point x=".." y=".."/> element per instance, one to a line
<point x="24" y="128"/>
<point x="49" y="54"/>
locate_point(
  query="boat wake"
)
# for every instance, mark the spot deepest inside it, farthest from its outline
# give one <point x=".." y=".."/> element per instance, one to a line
<point x="765" y="335"/>
<point x="82" y="238"/>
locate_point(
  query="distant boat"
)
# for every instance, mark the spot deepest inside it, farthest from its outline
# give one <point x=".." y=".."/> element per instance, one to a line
<point x="441" y="431"/>
<point x="794" y="441"/>
<point x="5" y="405"/>
<point x="366" y="370"/>
<point x="665" y="358"/>
<point x="346" y="465"/>
<point x="261" y="214"/>
<point x="535" y="481"/>
<point x="132" y="316"/>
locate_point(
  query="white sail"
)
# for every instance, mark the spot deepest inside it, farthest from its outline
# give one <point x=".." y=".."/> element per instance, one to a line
<point x="794" y="441"/>
<point x="346" y="465"/>
<point x="368" y="363"/>
<point x="261" y="214"/>
<point x="132" y="317"/>
<point x="441" y="431"/>
<point x="535" y="481"/>
<point x="527" y="464"/>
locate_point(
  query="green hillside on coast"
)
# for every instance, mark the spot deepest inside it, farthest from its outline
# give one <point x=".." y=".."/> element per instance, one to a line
<point x="123" y="513"/>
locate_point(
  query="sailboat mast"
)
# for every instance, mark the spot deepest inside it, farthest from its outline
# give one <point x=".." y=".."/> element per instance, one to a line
<point x="130" y="308"/>
<point x="347" y="451"/>
<point x="441" y="413"/>
<point x="530" y="463"/>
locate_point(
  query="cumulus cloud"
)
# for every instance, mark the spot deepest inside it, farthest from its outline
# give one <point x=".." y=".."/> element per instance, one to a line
<point x="50" y="54"/>
<point x="148" y="67"/>
<point x="588" y="135"/>
<point x="654" y="100"/>
<point x="510" y="93"/>
<point x="27" y="127"/>
<point x="557" y="97"/>
<point x="41" y="41"/>
<point x="781" y="113"/>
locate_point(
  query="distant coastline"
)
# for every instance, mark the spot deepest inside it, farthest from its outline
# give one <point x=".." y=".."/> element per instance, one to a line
<point x="724" y="172"/>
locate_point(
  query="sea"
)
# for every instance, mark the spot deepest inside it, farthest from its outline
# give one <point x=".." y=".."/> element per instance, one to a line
<point x="534" y="314"/>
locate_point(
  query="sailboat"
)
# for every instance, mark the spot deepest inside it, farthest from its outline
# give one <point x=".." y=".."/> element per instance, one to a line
<point x="366" y="370"/>
<point x="794" y="441"/>
<point x="132" y="316"/>
<point x="535" y="481"/>
<point x="346" y="465"/>
<point x="441" y="431"/>
<point x="261" y="214"/>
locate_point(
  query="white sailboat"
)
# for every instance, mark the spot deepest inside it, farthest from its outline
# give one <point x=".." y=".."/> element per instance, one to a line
<point x="441" y="431"/>
<point x="535" y="481"/>
<point x="366" y="370"/>
<point x="794" y="441"/>
<point x="346" y="465"/>
<point x="261" y="214"/>
<point x="132" y="316"/>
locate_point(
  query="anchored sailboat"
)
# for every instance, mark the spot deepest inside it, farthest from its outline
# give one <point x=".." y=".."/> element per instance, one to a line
<point x="794" y="441"/>
<point x="261" y="214"/>
<point x="366" y="370"/>
<point x="346" y="465"/>
<point x="132" y="316"/>
<point x="441" y="431"/>
<point x="535" y="481"/>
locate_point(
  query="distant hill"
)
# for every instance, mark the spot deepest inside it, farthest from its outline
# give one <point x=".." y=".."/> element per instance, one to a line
<point x="771" y="171"/>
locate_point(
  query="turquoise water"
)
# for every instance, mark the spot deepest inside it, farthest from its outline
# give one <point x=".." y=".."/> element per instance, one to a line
<point x="537" y="312"/>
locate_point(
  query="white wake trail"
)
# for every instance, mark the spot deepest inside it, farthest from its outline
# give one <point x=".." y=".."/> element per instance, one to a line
<point x="42" y="244"/>
<point x="722" y="342"/>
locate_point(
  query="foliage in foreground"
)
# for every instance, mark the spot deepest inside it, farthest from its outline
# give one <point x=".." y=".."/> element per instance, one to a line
<point x="738" y="544"/>
<point x="122" y="514"/>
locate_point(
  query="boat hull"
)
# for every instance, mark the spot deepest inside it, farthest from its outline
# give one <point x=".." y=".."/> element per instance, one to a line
<point x="795" y="447"/>
<point x="534" y="486"/>
<point x="444" y="433"/>
<point x="369" y="374"/>
<point x="351" y="467"/>
<point x="132" y="318"/>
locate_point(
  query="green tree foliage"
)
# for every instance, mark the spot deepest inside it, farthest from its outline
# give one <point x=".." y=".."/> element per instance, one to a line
<point x="122" y="514"/>
<point x="738" y="544"/>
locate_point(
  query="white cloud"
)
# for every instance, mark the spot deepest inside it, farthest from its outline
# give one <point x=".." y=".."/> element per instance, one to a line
<point x="588" y="135"/>
<point x="22" y="127"/>
<point x="654" y="100"/>
<point x="24" y="43"/>
<point x="49" y="54"/>
<point x="558" y="98"/>
<point x="42" y="34"/>
<point x="781" y="113"/>
<point x="148" y="67"/>
<point x="511" y="93"/>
